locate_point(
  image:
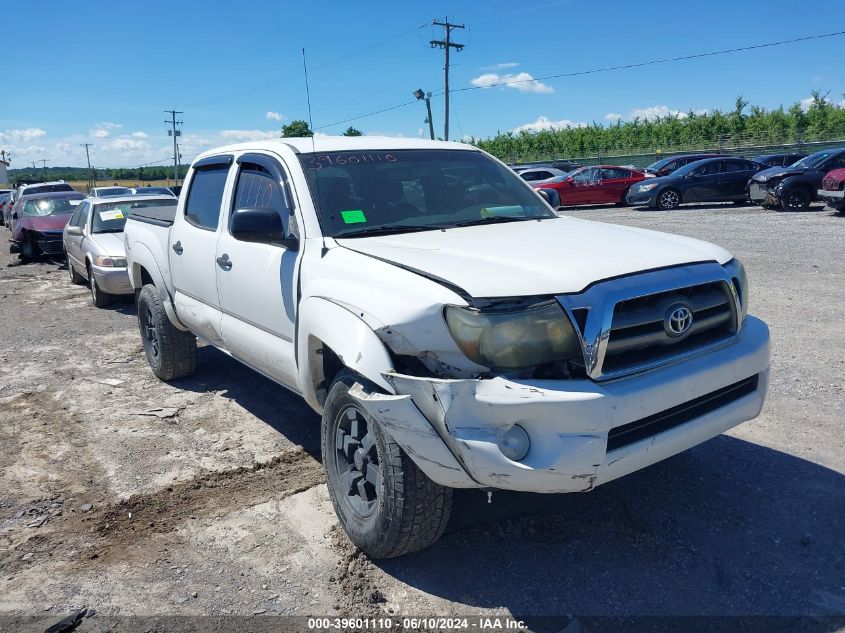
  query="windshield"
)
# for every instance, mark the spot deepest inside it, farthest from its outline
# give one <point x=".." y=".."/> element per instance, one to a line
<point x="50" y="206"/>
<point x="113" y="191"/>
<point x="111" y="216"/>
<point x="406" y="190"/>
<point x="813" y="160"/>
<point x="657" y="165"/>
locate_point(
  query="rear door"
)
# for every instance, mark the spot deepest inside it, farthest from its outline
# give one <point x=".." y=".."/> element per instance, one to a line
<point x="734" y="178"/>
<point x="703" y="182"/>
<point x="257" y="281"/>
<point x="614" y="181"/>
<point x="193" y="247"/>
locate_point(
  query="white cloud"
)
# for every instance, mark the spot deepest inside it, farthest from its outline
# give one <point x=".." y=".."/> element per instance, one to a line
<point x="140" y="135"/>
<point x="274" y="116"/>
<point x="523" y="82"/>
<point x="612" y="116"/>
<point x="100" y="133"/>
<point x="544" y="123"/>
<point x="21" y="136"/>
<point x="501" y="66"/>
<point x="111" y="126"/>
<point x="249" y="135"/>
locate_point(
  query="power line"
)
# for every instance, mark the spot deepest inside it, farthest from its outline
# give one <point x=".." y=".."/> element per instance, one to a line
<point x="447" y="44"/>
<point x="603" y="69"/>
<point x="653" y="62"/>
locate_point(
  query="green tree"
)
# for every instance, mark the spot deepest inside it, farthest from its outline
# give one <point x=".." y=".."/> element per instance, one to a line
<point x="297" y="128"/>
<point x="351" y="131"/>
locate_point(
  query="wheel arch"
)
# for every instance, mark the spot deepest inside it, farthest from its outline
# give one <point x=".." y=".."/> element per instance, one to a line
<point x="330" y="338"/>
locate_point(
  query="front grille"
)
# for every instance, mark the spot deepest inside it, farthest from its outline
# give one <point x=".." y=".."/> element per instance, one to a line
<point x="638" y="335"/>
<point x="50" y="243"/>
<point x="670" y="418"/>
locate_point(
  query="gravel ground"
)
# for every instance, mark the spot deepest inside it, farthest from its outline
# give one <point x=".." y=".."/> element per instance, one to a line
<point x="205" y="497"/>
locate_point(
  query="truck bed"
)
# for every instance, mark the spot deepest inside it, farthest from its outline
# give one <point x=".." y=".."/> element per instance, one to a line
<point x="159" y="216"/>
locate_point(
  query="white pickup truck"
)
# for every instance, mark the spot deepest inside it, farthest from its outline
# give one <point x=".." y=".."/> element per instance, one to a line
<point x="451" y="329"/>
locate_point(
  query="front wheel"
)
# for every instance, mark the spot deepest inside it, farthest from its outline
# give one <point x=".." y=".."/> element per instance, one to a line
<point x="99" y="298"/>
<point x="170" y="352"/>
<point x="668" y="199"/>
<point x="795" y="199"/>
<point x="386" y="505"/>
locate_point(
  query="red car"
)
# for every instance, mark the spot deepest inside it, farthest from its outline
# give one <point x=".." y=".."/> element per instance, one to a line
<point x="833" y="189"/>
<point x="38" y="222"/>
<point x="599" y="184"/>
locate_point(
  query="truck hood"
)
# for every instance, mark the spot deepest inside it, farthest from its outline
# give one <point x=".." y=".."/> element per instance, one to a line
<point x="110" y="243"/>
<point x="555" y="256"/>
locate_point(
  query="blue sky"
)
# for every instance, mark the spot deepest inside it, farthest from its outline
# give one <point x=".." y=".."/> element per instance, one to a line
<point x="106" y="74"/>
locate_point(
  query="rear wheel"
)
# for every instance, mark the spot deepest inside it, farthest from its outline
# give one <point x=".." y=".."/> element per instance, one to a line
<point x="622" y="202"/>
<point x="795" y="199"/>
<point x="170" y="352"/>
<point x="668" y="199"/>
<point x="386" y="504"/>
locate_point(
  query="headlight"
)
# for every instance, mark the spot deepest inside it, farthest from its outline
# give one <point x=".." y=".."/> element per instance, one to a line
<point x="514" y="339"/>
<point x="105" y="260"/>
<point x="740" y="281"/>
<point x="647" y="187"/>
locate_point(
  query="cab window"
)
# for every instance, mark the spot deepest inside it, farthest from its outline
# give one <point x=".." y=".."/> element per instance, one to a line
<point x="205" y="196"/>
<point x="257" y="188"/>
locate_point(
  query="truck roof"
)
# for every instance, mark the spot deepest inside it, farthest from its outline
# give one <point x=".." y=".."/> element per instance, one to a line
<point x="305" y="145"/>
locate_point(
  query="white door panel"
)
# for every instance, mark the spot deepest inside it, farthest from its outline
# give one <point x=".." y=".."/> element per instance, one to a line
<point x="257" y="282"/>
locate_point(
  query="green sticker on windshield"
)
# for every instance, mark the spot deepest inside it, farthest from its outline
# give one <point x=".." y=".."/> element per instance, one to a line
<point x="353" y="217"/>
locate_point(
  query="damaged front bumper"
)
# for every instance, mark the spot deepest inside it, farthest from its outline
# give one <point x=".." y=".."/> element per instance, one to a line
<point x="451" y="428"/>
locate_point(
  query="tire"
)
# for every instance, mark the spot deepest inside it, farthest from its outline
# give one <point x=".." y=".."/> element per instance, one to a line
<point x="28" y="251"/>
<point x="668" y="199"/>
<point x="388" y="511"/>
<point x="622" y="202"/>
<point x="171" y="353"/>
<point x="99" y="299"/>
<point x="795" y="199"/>
<point x="75" y="278"/>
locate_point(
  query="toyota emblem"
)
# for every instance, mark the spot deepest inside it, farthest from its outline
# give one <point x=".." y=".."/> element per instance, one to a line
<point x="678" y="319"/>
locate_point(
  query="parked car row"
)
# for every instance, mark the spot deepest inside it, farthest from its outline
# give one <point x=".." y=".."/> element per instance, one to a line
<point x="54" y="219"/>
<point x="786" y="181"/>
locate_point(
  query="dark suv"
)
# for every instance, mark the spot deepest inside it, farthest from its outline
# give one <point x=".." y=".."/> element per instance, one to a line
<point x="667" y="165"/>
<point x="795" y="187"/>
<point x="779" y="160"/>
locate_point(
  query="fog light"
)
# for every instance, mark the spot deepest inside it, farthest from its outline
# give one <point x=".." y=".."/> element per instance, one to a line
<point x="514" y="443"/>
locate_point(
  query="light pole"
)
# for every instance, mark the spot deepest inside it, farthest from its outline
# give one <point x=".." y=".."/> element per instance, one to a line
<point x="426" y="96"/>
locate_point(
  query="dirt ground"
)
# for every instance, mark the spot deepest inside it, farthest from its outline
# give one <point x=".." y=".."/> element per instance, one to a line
<point x="205" y="497"/>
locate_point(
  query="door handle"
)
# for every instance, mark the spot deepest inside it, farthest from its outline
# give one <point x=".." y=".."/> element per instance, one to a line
<point x="177" y="247"/>
<point x="224" y="262"/>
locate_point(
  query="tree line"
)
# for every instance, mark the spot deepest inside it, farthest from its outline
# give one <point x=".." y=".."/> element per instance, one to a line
<point x="746" y="125"/>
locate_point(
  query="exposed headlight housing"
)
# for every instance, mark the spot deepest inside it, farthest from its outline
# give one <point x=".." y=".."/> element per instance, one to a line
<point x="647" y="187"/>
<point x="740" y="282"/>
<point x="514" y="339"/>
<point x="108" y="261"/>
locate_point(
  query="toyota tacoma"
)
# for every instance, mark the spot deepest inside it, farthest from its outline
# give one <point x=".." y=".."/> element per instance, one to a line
<point x="451" y="329"/>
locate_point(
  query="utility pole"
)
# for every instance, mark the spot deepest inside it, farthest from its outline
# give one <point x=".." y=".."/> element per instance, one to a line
<point x="446" y="44"/>
<point x="43" y="162"/>
<point x="88" y="156"/>
<point x="426" y="96"/>
<point x="175" y="133"/>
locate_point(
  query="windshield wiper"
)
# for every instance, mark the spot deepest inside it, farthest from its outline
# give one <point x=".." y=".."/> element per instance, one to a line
<point x="497" y="219"/>
<point x="387" y="230"/>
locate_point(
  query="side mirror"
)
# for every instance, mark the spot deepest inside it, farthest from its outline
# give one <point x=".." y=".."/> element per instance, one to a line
<point x="74" y="230"/>
<point x="551" y="196"/>
<point x="260" y="225"/>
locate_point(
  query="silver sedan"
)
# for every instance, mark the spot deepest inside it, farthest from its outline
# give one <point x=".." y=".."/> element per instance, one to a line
<point x="93" y="240"/>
